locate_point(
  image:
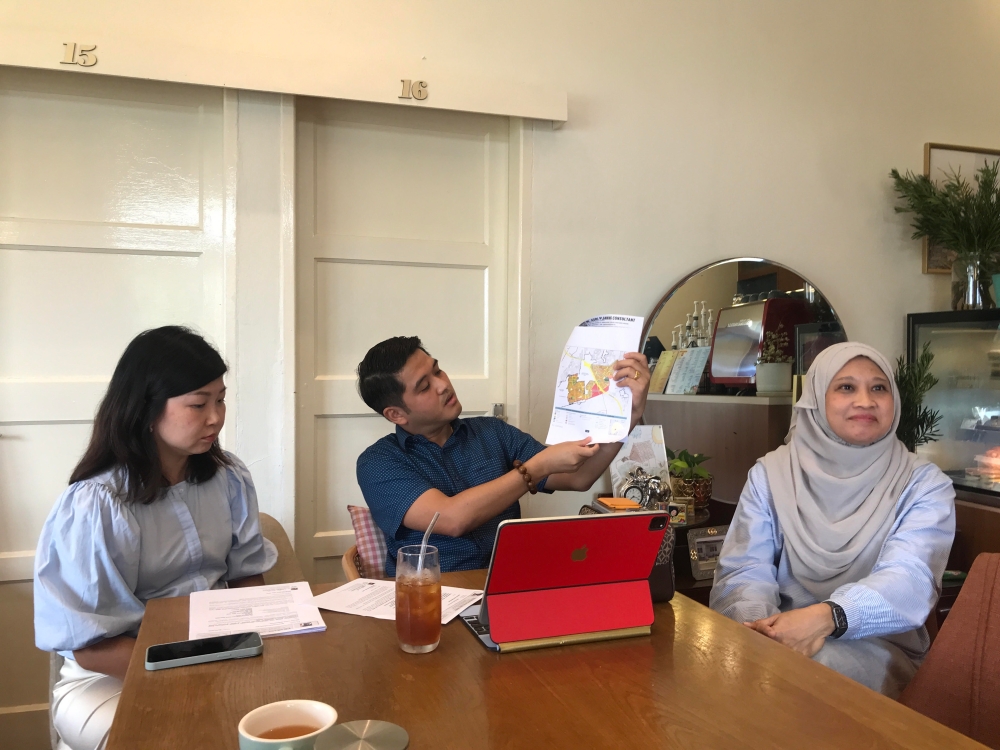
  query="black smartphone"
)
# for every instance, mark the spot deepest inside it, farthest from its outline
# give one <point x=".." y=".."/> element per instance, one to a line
<point x="201" y="650"/>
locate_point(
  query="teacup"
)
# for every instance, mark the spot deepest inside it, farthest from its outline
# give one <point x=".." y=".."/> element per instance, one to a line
<point x="286" y="725"/>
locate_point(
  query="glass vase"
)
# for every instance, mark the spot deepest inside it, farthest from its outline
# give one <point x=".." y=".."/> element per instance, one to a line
<point x="970" y="289"/>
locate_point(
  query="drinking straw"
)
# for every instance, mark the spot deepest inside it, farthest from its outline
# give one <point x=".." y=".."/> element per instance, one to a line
<point x="423" y="544"/>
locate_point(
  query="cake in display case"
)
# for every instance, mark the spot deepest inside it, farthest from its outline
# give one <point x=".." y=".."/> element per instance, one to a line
<point x="966" y="349"/>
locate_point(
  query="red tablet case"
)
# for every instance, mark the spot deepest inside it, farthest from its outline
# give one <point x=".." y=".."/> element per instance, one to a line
<point x="552" y="577"/>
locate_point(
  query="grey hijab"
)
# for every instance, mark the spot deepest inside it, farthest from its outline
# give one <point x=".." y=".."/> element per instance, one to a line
<point x="835" y="502"/>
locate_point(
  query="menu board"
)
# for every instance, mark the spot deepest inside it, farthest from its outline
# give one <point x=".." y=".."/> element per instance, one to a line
<point x="687" y="370"/>
<point x="661" y="372"/>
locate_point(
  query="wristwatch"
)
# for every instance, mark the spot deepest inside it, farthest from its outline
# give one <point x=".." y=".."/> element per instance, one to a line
<point x="839" y="619"/>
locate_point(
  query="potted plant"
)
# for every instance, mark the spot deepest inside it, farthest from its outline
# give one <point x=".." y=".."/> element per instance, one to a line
<point x="774" y="366"/>
<point x="918" y="424"/>
<point x="689" y="480"/>
<point x="960" y="218"/>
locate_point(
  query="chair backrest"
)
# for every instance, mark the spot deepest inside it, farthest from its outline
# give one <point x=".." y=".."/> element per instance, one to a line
<point x="287" y="569"/>
<point x="352" y="565"/>
<point x="958" y="684"/>
<point x="370" y="542"/>
<point x="55" y="666"/>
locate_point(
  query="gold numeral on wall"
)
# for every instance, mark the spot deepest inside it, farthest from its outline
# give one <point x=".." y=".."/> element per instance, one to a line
<point x="413" y="89"/>
<point x="83" y="55"/>
<point x="87" y="57"/>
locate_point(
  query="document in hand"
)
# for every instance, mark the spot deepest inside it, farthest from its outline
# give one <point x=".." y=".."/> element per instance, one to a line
<point x="371" y="598"/>
<point x="279" y="609"/>
<point x="588" y="402"/>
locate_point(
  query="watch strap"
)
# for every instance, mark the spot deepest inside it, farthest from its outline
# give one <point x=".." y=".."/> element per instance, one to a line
<point x="839" y="619"/>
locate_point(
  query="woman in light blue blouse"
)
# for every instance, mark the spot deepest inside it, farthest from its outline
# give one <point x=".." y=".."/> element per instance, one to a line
<point x="841" y="536"/>
<point x="155" y="508"/>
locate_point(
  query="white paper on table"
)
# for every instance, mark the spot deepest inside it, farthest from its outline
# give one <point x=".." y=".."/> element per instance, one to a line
<point x="644" y="449"/>
<point x="371" y="598"/>
<point x="278" y="609"/>
<point x="587" y="401"/>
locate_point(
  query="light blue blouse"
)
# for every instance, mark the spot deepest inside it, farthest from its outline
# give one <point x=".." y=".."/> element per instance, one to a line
<point x="99" y="560"/>
<point x="753" y="579"/>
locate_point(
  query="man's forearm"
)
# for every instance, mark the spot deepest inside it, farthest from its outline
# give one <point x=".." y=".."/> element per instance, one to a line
<point x="467" y="510"/>
<point x="584" y="477"/>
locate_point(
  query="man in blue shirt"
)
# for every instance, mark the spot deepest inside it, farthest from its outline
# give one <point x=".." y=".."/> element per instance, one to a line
<point x="462" y="468"/>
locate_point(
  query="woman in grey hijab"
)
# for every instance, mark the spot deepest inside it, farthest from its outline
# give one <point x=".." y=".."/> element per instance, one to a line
<point x="841" y="535"/>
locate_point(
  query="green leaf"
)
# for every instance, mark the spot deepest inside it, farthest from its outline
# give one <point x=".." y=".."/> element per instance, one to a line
<point x="918" y="424"/>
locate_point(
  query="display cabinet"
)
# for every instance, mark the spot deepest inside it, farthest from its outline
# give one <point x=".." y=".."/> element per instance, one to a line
<point x="966" y="348"/>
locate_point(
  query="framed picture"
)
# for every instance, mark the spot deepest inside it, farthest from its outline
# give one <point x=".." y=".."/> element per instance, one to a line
<point x="941" y="159"/>
<point x="705" y="545"/>
<point x="811" y="339"/>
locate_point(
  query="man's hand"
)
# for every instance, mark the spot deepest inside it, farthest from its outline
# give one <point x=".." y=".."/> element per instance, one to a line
<point x="632" y="372"/>
<point x="562" y="458"/>
<point x="803" y="630"/>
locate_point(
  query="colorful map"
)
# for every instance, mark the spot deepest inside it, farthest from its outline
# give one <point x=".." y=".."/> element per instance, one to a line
<point x="587" y="373"/>
<point x="588" y="403"/>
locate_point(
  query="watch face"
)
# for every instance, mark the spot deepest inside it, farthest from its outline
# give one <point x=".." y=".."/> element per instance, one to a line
<point x="634" y="494"/>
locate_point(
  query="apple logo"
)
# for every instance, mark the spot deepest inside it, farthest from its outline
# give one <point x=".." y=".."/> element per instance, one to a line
<point x="579" y="555"/>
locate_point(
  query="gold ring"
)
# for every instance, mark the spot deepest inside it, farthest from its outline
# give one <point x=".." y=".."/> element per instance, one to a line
<point x="636" y="374"/>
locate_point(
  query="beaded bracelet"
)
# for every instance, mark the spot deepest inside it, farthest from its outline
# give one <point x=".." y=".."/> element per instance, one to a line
<point x="523" y="470"/>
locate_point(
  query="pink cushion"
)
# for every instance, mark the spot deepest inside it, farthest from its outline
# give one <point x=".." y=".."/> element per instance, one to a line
<point x="370" y="540"/>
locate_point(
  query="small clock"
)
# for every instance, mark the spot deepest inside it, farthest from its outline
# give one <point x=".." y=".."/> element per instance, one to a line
<point x="647" y="490"/>
<point x="634" y="492"/>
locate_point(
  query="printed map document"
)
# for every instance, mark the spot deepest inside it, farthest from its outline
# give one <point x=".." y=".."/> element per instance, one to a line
<point x="371" y="598"/>
<point x="588" y="403"/>
<point x="279" y="609"/>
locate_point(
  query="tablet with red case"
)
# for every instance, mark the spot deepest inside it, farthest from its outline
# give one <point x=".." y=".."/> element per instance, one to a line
<point x="555" y="577"/>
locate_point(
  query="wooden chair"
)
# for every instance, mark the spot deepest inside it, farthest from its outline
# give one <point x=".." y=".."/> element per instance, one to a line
<point x="55" y="665"/>
<point x="958" y="683"/>
<point x="287" y="569"/>
<point x="351" y="562"/>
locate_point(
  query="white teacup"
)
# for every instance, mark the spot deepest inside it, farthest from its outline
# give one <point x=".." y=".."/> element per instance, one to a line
<point x="260" y="729"/>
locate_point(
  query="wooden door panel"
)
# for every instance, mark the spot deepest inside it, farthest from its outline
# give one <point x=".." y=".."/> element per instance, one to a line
<point x="109" y="163"/>
<point x="402" y="230"/>
<point x="111" y="197"/>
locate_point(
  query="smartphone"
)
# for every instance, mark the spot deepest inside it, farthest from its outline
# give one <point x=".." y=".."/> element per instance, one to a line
<point x="183" y="653"/>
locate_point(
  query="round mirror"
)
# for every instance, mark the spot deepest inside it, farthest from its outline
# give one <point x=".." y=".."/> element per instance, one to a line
<point x="711" y="333"/>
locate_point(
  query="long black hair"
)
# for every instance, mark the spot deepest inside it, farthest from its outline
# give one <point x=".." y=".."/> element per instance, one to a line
<point x="157" y="365"/>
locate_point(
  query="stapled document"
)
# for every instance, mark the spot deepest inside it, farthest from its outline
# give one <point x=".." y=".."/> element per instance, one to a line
<point x="278" y="609"/>
<point x="371" y="598"/>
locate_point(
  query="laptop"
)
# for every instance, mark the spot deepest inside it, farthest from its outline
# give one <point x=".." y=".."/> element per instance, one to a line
<point x="554" y="581"/>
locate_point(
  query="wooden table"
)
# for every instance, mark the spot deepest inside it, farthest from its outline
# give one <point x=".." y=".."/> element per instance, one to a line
<point x="700" y="681"/>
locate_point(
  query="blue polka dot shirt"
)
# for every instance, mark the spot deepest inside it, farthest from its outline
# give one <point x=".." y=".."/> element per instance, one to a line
<point x="399" y="468"/>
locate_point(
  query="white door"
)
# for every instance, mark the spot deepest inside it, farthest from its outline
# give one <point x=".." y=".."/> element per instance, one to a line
<point x="111" y="221"/>
<point x="401" y="230"/>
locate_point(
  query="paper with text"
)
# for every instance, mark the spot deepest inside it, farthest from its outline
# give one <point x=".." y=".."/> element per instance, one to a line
<point x="588" y="402"/>
<point x="278" y="609"/>
<point x="371" y="598"/>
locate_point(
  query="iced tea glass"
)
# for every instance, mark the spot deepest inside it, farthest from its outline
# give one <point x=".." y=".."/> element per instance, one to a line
<point x="418" y="600"/>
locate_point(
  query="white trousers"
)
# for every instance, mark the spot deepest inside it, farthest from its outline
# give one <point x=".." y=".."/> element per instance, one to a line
<point x="83" y="706"/>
